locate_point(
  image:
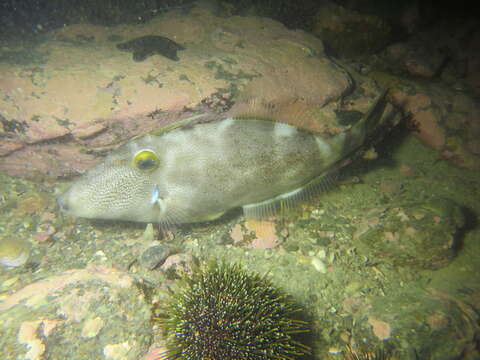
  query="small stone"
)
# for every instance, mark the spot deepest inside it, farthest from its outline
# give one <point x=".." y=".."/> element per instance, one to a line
<point x="437" y="321"/>
<point x="237" y="234"/>
<point x="27" y="335"/>
<point x="174" y="261"/>
<point x="92" y="327"/>
<point x="381" y="329"/>
<point x="117" y="351"/>
<point x="42" y="237"/>
<point x="334" y="350"/>
<point x="319" y="265"/>
<point x="49" y="326"/>
<point x="265" y="234"/>
<point x="322" y="254"/>
<point x="422" y="235"/>
<point x="154" y="256"/>
<point x="14" y="251"/>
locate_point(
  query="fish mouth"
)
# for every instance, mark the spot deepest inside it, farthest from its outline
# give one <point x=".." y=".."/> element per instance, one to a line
<point x="65" y="203"/>
<point x="62" y="204"/>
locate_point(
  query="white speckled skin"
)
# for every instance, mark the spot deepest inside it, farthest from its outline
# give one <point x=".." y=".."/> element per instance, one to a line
<point x="206" y="170"/>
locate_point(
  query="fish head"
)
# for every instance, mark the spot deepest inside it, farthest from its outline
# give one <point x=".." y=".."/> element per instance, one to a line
<point x="120" y="188"/>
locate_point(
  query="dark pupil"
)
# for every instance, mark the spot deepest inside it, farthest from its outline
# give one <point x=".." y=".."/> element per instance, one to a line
<point x="146" y="164"/>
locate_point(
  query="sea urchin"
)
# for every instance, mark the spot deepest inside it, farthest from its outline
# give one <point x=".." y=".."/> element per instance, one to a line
<point x="222" y="312"/>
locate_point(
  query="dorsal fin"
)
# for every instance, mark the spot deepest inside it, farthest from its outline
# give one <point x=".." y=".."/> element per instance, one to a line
<point x="296" y="112"/>
<point x="177" y="124"/>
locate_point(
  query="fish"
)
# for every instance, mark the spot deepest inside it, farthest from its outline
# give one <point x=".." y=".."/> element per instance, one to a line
<point x="146" y="46"/>
<point x="197" y="173"/>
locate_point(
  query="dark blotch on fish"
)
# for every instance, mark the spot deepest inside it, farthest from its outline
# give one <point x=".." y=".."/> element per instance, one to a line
<point x="145" y="46"/>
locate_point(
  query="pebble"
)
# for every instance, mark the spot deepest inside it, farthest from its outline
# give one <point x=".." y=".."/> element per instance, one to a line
<point x="154" y="256"/>
<point x="14" y="251"/>
<point x="319" y="265"/>
<point x="92" y="327"/>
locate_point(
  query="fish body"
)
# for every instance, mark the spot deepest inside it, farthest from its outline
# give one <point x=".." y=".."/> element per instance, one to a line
<point x="197" y="173"/>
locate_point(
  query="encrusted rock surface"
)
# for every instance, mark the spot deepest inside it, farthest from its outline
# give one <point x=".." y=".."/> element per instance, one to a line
<point x="85" y="96"/>
<point x="95" y="306"/>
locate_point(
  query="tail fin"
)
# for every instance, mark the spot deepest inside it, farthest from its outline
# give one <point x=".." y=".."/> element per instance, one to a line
<point x="368" y="124"/>
<point x="352" y="139"/>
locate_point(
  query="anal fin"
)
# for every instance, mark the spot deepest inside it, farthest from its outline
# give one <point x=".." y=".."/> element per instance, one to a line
<point x="283" y="202"/>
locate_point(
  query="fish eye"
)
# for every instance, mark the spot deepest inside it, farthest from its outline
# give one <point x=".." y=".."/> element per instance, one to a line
<point x="146" y="160"/>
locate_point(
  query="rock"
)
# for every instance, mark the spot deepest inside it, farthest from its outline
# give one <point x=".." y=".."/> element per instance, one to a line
<point x="417" y="58"/>
<point x="428" y="324"/>
<point x="381" y="329"/>
<point x="90" y="97"/>
<point x="154" y="256"/>
<point x="443" y="119"/>
<point x="14" y="251"/>
<point x="79" y="314"/>
<point x="422" y="235"/>
<point x="265" y="234"/>
<point x="349" y="33"/>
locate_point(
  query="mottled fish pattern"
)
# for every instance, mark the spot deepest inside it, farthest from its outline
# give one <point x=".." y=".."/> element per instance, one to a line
<point x="197" y="173"/>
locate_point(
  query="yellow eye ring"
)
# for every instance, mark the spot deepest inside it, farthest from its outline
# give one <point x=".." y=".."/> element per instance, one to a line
<point x="146" y="160"/>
